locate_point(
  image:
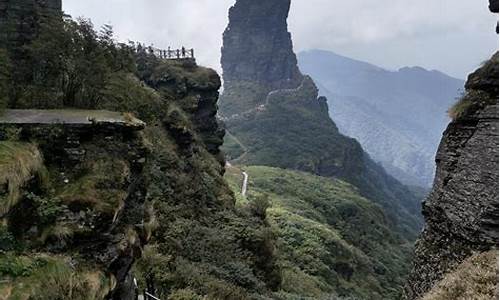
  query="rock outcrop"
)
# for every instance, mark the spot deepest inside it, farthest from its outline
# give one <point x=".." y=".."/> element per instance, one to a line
<point x="83" y="203"/>
<point x="273" y="112"/>
<point x="461" y="213"/>
<point x="258" y="47"/>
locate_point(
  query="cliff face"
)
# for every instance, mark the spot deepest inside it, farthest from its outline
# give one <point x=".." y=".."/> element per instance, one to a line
<point x="257" y="45"/>
<point x="74" y="206"/>
<point x="462" y="211"/>
<point x="288" y="125"/>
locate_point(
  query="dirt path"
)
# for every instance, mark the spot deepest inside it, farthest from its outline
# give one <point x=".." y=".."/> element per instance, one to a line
<point x="244" y="186"/>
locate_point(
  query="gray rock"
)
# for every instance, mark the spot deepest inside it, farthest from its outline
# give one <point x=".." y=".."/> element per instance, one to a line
<point x="258" y="46"/>
<point x="462" y="210"/>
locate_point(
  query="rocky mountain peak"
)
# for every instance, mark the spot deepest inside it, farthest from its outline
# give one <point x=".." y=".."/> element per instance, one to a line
<point x="258" y="46"/>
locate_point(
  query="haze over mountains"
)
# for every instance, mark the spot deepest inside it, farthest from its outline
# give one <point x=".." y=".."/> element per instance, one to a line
<point x="397" y="116"/>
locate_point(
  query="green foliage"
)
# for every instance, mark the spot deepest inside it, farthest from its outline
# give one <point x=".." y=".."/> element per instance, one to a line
<point x="18" y="266"/>
<point x="185" y="294"/>
<point x="124" y="92"/>
<point x="224" y="254"/>
<point x="470" y="102"/>
<point x="7" y="240"/>
<point x="232" y="148"/>
<point x="260" y="205"/>
<point x="294" y="131"/>
<point x="241" y="96"/>
<point x="332" y="242"/>
<point x="4" y="78"/>
<point x="44" y="277"/>
<point x="69" y="64"/>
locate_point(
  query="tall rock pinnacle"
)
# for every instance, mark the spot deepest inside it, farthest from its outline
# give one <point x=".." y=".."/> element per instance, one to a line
<point x="258" y="46"/>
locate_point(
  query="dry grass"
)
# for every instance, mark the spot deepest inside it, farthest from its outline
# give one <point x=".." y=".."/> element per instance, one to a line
<point x="474" y="279"/>
<point x="56" y="279"/>
<point x="19" y="162"/>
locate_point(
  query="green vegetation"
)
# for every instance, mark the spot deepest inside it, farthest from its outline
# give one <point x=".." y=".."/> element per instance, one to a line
<point x="69" y="64"/>
<point x="475" y="96"/>
<point x="470" y="102"/>
<point x="475" y="279"/>
<point x="114" y="197"/>
<point x="46" y="277"/>
<point x="293" y="131"/>
<point x="242" y="96"/>
<point x="100" y="186"/>
<point x="331" y="241"/>
<point x="232" y="148"/>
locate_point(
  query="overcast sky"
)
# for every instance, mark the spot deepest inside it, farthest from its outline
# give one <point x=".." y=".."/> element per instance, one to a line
<point x="452" y="36"/>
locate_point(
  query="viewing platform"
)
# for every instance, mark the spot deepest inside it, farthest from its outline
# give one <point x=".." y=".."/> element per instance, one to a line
<point x="168" y="54"/>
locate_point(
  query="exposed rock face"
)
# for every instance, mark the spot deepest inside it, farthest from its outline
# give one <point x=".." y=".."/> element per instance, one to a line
<point x="95" y="183"/>
<point x="274" y="114"/>
<point x="19" y="19"/>
<point x="494" y="8"/>
<point x="462" y="210"/>
<point x="257" y="45"/>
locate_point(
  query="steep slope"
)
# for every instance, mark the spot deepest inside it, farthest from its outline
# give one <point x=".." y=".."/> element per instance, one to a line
<point x="332" y="242"/>
<point x="397" y="116"/>
<point x="92" y="197"/>
<point x="462" y="211"/>
<point x="279" y="120"/>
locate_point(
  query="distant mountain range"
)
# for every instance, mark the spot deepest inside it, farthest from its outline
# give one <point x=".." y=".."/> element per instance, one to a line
<point x="397" y="116"/>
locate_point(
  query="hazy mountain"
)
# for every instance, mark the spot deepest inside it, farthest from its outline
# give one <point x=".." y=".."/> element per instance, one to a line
<point x="398" y="116"/>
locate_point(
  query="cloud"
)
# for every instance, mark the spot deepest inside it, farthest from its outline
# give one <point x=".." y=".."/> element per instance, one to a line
<point x="450" y="35"/>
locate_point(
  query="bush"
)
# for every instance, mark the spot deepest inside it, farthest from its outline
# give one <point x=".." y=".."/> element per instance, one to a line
<point x="69" y="64"/>
<point x="259" y="206"/>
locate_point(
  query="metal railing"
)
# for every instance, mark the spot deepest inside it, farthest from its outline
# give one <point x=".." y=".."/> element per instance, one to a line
<point x="181" y="53"/>
<point x="148" y="296"/>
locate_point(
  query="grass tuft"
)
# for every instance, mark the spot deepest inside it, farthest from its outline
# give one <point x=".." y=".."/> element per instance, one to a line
<point x="474" y="279"/>
<point x="19" y="162"/>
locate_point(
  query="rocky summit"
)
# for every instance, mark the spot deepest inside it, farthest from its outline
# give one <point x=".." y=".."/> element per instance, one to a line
<point x="461" y="213"/>
<point x="257" y="45"/>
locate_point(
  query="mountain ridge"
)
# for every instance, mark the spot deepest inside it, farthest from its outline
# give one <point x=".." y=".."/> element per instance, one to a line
<point x="398" y="116"/>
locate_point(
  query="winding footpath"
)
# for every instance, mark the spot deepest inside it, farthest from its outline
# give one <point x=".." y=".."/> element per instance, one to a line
<point x="244" y="187"/>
